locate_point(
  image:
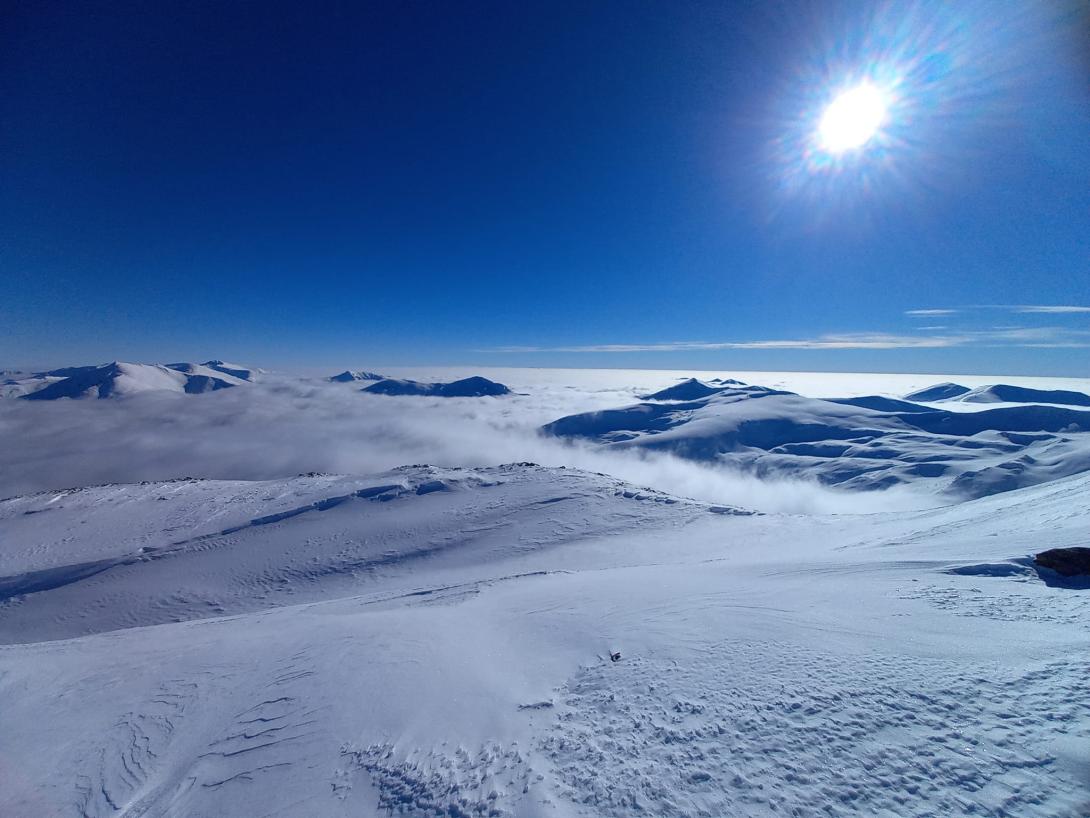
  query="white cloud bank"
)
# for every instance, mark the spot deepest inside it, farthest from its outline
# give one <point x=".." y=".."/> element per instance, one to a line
<point x="285" y="427"/>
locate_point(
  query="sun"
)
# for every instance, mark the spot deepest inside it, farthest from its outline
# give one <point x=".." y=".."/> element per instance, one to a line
<point x="852" y="119"/>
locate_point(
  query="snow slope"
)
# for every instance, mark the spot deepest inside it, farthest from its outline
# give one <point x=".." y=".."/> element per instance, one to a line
<point x="434" y="641"/>
<point x="859" y="443"/>
<point x="16" y="383"/>
<point x="163" y="552"/>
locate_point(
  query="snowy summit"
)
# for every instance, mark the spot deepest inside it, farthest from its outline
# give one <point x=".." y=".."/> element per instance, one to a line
<point x="118" y="379"/>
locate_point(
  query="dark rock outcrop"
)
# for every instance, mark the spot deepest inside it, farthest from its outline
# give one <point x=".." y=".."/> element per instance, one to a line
<point x="1067" y="562"/>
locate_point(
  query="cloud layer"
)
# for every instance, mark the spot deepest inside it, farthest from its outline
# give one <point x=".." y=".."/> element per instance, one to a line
<point x="284" y="427"/>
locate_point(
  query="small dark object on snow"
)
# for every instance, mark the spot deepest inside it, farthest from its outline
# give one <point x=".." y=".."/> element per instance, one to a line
<point x="615" y="657"/>
<point x="1067" y="562"/>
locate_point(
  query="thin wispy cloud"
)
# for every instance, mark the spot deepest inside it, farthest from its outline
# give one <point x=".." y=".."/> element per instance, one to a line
<point x="1042" y="309"/>
<point x="1050" y="310"/>
<point x="1030" y="337"/>
<point x="851" y="341"/>
<point x="1035" y="337"/>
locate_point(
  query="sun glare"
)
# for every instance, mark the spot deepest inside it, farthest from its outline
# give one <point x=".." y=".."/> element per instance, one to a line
<point x="852" y="119"/>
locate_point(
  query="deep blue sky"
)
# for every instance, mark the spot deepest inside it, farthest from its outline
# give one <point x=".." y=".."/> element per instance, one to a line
<point x="516" y="183"/>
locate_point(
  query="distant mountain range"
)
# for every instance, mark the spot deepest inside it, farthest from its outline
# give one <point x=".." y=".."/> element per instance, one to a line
<point x="119" y="379"/>
<point x="475" y="387"/>
<point x="998" y="393"/>
<point x="869" y="442"/>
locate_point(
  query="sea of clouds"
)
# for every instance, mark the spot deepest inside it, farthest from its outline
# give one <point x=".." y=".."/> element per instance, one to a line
<point x="284" y="426"/>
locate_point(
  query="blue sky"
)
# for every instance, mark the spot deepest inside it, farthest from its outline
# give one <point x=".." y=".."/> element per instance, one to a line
<point x="627" y="184"/>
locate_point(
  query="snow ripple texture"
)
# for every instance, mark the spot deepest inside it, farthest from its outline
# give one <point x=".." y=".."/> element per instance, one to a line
<point x="831" y="736"/>
<point x="459" y="785"/>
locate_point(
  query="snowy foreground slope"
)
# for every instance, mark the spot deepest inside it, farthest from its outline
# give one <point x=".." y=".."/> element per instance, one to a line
<point x="436" y="642"/>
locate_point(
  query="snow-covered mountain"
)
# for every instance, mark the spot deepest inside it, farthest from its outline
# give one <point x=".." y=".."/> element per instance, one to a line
<point x="940" y="391"/>
<point x="351" y="375"/>
<point x="998" y="393"/>
<point x="474" y="387"/>
<point x="1006" y="393"/>
<point x="861" y="443"/>
<point x="527" y="641"/>
<point x="690" y="389"/>
<point x="119" y="379"/>
<point x="244" y="373"/>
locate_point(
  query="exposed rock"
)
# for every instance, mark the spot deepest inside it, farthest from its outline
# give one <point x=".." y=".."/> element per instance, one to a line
<point x="1067" y="562"/>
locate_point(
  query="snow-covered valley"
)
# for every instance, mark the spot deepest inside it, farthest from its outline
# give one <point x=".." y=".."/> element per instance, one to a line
<point x="231" y="637"/>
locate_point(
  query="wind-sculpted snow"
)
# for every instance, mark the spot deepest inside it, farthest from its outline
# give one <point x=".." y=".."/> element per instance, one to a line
<point x="897" y="735"/>
<point x="281" y="542"/>
<point x="860" y="443"/>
